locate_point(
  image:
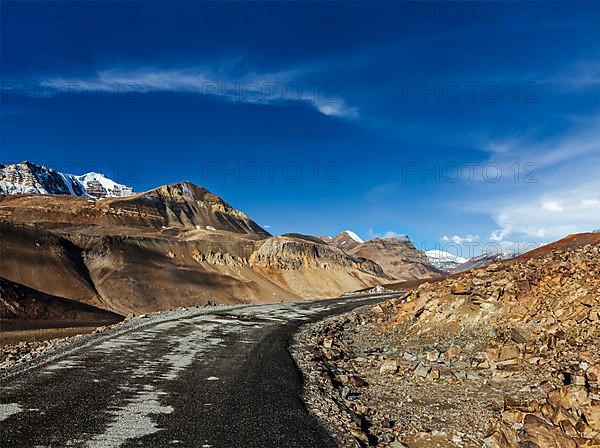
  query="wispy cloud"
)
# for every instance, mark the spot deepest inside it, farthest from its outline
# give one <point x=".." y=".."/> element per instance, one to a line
<point x="556" y="214"/>
<point x="584" y="74"/>
<point x="582" y="139"/>
<point x="230" y="84"/>
<point x="461" y="239"/>
<point x="560" y="198"/>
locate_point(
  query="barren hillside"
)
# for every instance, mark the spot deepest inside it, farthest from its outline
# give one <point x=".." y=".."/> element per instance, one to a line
<point x="177" y="245"/>
<point x="505" y="356"/>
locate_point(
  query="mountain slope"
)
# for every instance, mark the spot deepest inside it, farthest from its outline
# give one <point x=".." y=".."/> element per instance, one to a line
<point x="183" y="206"/>
<point x="176" y="245"/>
<point x="509" y="351"/>
<point x="28" y="178"/>
<point x="398" y="257"/>
<point x="20" y="302"/>
<point x="346" y="240"/>
<point x="476" y="262"/>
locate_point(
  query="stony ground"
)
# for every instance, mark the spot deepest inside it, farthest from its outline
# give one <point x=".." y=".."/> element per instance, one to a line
<point x="504" y="356"/>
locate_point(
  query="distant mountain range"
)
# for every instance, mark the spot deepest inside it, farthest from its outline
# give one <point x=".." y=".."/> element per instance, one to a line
<point x="444" y="260"/>
<point x="175" y="245"/>
<point x="400" y="259"/>
<point x="398" y="256"/>
<point x="29" y="178"/>
<point x="88" y="239"/>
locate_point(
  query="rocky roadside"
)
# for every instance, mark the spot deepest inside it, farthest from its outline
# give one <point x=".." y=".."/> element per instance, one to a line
<point x="27" y="351"/>
<point x="500" y="357"/>
<point x="16" y="358"/>
<point x="21" y="355"/>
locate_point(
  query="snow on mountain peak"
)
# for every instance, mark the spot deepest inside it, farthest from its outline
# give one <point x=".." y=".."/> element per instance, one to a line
<point x="444" y="260"/>
<point x="98" y="185"/>
<point x="440" y="255"/>
<point x="29" y="178"/>
<point x="354" y="236"/>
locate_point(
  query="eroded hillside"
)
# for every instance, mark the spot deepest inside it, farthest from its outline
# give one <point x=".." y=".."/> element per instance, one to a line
<point x="504" y="356"/>
<point x="177" y="245"/>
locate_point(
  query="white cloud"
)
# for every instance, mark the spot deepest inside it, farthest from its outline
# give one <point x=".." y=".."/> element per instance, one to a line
<point x="500" y="147"/>
<point x="593" y="202"/>
<point x="584" y="74"/>
<point x="564" y="197"/>
<point x="392" y="234"/>
<point x="338" y="109"/>
<point x="461" y="239"/>
<point x="528" y="154"/>
<point x="564" y="214"/>
<point x="224" y="82"/>
<point x="499" y="234"/>
<point x="552" y="206"/>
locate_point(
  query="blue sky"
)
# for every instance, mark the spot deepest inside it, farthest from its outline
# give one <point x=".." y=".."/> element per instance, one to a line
<point x="455" y="123"/>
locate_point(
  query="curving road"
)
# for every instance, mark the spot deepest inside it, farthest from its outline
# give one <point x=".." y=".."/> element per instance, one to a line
<point x="221" y="379"/>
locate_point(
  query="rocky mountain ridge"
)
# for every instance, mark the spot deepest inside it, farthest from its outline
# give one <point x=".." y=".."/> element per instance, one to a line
<point x="29" y="178"/>
<point x="176" y="245"/>
<point x="345" y="240"/>
<point x="398" y="256"/>
<point x="182" y="206"/>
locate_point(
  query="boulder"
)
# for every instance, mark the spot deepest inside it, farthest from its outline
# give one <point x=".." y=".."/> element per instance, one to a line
<point x="389" y="366"/>
<point x="569" y="397"/>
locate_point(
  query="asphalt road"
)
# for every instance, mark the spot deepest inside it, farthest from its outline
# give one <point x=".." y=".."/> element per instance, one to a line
<point x="222" y="380"/>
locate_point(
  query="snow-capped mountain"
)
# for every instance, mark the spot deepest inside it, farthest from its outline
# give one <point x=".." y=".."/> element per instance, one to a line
<point x="354" y="236"/>
<point x="29" y="178"/>
<point x="345" y="240"/>
<point x="444" y="260"/>
<point x="98" y="185"/>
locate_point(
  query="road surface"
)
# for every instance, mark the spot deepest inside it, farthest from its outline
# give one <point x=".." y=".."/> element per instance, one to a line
<point x="222" y="379"/>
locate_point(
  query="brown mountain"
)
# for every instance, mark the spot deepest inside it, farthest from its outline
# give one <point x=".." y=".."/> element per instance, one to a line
<point x="177" y="245"/>
<point x="20" y="302"/>
<point x="181" y="206"/>
<point x="571" y="241"/>
<point x="398" y="257"/>
<point x="346" y="240"/>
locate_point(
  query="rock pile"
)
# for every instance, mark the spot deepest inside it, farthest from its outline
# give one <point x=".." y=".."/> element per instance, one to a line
<point x="504" y="356"/>
<point x="25" y="351"/>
